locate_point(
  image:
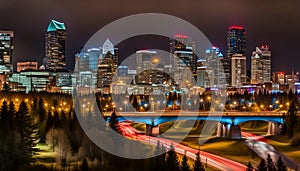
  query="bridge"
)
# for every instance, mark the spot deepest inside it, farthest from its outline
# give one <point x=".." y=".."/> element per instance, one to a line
<point x="228" y="122"/>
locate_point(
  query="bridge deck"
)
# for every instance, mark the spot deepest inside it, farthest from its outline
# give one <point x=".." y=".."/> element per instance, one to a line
<point x="189" y="113"/>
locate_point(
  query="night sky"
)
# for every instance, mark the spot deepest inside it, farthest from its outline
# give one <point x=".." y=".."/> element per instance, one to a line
<point x="275" y="23"/>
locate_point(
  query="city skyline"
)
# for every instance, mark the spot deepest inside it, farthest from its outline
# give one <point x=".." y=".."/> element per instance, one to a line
<point x="261" y="26"/>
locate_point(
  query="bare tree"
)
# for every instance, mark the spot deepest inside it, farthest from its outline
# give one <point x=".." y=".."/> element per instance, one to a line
<point x="51" y="138"/>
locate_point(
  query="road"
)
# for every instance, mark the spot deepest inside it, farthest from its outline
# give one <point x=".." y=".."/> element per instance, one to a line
<point x="211" y="159"/>
<point x="260" y="146"/>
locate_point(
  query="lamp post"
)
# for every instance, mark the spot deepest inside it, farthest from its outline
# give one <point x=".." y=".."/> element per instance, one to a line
<point x="252" y="148"/>
<point x="201" y="101"/>
<point x="152" y="102"/>
<point x="158" y="105"/>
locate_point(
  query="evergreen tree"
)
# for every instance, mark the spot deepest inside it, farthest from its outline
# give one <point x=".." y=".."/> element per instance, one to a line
<point x="283" y="129"/>
<point x="28" y="133"/>
<point x="49" y="121"/>
<point x="249" y="167"/>
<point x="11" y="114"/>
<point x="41" y="110"/>
<point x="84" y="165"/>
<point x="262" y="165"/>
<point x="184" y="164"/>
<point x="34" y="108"/>
<point x="4" y="113"/>
<point x="135" y="103"/>
<point x="113" y="122"/>
<point x="270" y="163"/>
<point x="280" y="165"/>
<point x="172" y="162"/>
<point x="198" y="165"/>
<point x="291" y="120"/>
<point x="8" y="144"/>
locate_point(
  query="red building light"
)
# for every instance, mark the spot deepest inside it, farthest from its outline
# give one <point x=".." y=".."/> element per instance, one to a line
<point x="181" y="36"/>
<point x="236" y="27"/>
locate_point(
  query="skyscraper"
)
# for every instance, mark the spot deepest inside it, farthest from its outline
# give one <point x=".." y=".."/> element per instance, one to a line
<point x="214" y="67"/>
<point x="182" y="48"/>
<point x="107" y="66"/>
<point x="261" y="65"/>
<point x="107" y="47"/>
<point x="146" y="66"/>
<point x="6" y="51"/>
<point x="236" y="41"/>
<point x="236" y="53"/>
<point x="55" y="46"/>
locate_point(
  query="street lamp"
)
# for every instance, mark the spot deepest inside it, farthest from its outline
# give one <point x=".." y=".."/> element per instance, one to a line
<point x="152" y="102"/>
<point x="235" y="103"/>
<point x="244" y="108"/>
<point x="208" y="98"/>
<point x="270" y="106"/>
<point x="125" y="104"/>
<point x="231" y="105"/>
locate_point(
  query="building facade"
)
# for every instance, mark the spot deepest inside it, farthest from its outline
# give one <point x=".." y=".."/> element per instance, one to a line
<point x="278" y="77"/>
<point x="26" y="66"/>
<point x="238" y="70"/>
<point x="291" y="79"/>
<point x="6" y="51"/>
<point x="32" y="80"/>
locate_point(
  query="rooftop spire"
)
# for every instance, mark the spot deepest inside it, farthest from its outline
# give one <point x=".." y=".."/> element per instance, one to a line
<point x="55" y="25"/>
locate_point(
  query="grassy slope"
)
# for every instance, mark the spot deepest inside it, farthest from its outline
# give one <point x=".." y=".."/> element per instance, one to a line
<point x="232" y="149"/>
<point x="282" y="143"/>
